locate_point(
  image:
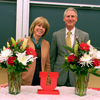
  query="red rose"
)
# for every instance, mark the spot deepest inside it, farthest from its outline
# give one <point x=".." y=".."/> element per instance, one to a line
<point x="10" y="60"/>
<point x="30" y="51"/>
<point x="84" y="46"/>
<point x="8" y="48"/>
<point x="71" y="58"/>
<point x="96" y="62"/>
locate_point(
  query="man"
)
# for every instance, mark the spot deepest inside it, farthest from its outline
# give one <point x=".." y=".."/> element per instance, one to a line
<point x="57" y="51"/>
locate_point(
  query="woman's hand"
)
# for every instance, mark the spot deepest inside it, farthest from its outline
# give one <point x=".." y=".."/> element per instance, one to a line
<point x="4" y="85"/>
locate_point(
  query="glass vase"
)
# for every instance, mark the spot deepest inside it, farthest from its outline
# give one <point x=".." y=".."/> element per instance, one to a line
<point x="81" y="83"/>
<point x="14" y="83"/>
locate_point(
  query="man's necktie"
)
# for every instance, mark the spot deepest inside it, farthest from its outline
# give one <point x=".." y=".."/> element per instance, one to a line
<point x="68" y="40"/>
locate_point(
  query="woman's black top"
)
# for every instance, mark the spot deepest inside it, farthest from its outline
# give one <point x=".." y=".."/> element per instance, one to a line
<point x="36" y="79"/>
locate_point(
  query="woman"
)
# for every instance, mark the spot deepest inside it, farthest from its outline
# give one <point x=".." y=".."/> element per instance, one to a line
<point x="38" y="30"/>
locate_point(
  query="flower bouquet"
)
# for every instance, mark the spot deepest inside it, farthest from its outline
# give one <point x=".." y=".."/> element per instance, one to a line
<point x="16" y="58"/>
<point x="82" y="60"/>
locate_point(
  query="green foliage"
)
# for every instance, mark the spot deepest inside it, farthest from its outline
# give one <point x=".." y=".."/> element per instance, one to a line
<point x="19" y="43"/>
<point x="68" y="48"/>
<point x="66" y="68"/>
<point x="96" y="74"/>
<point x="64" y="65"/>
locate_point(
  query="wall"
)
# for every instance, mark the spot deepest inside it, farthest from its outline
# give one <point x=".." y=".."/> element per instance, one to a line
<point x="88" y="20"/>
<point x="7" y="22"/>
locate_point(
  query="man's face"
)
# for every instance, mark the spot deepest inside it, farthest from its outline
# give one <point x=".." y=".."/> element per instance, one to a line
<point x="70" y="19"/>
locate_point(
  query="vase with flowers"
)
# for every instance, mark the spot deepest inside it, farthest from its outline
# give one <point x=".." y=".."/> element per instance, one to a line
<point x="16" y="58"/>
<point x="82" y="60"/>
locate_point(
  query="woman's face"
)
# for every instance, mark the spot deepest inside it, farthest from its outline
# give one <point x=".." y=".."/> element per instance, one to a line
<point x="39" y="30"/>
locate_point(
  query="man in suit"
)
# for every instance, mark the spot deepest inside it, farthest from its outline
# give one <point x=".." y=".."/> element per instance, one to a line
<point x="66" y="78"/>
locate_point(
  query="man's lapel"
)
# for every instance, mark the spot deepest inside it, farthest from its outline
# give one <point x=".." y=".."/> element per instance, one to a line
<point x="76" y="34"/>
<point x="63" y="35"/>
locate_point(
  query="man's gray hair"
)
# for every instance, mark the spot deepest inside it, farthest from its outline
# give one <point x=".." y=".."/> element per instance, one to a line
<point x="70" y="9"/>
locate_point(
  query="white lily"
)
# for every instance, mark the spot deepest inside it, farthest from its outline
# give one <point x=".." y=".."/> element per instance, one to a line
<point x="23" y="58"/>
<point x="24" y="44"/>
<point x="94" y="52"/>
<point x="8" y="45"/>
<point x="98" y="54"/>
<point x="5" y="54"/>
<point x="86" y="60"/>
<point x="88" y="42"/>
<point x="4" y="48"/>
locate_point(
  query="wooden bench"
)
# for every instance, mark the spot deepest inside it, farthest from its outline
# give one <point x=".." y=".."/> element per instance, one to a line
<point x="3" y="76"/>
<point x="94" y="81"/>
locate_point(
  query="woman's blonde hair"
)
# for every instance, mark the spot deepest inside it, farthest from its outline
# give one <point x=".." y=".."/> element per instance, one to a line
<point x="39" y="20"/>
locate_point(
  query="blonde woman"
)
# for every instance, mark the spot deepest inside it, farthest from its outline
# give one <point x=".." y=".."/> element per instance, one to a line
<point x="38" y="30"/>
